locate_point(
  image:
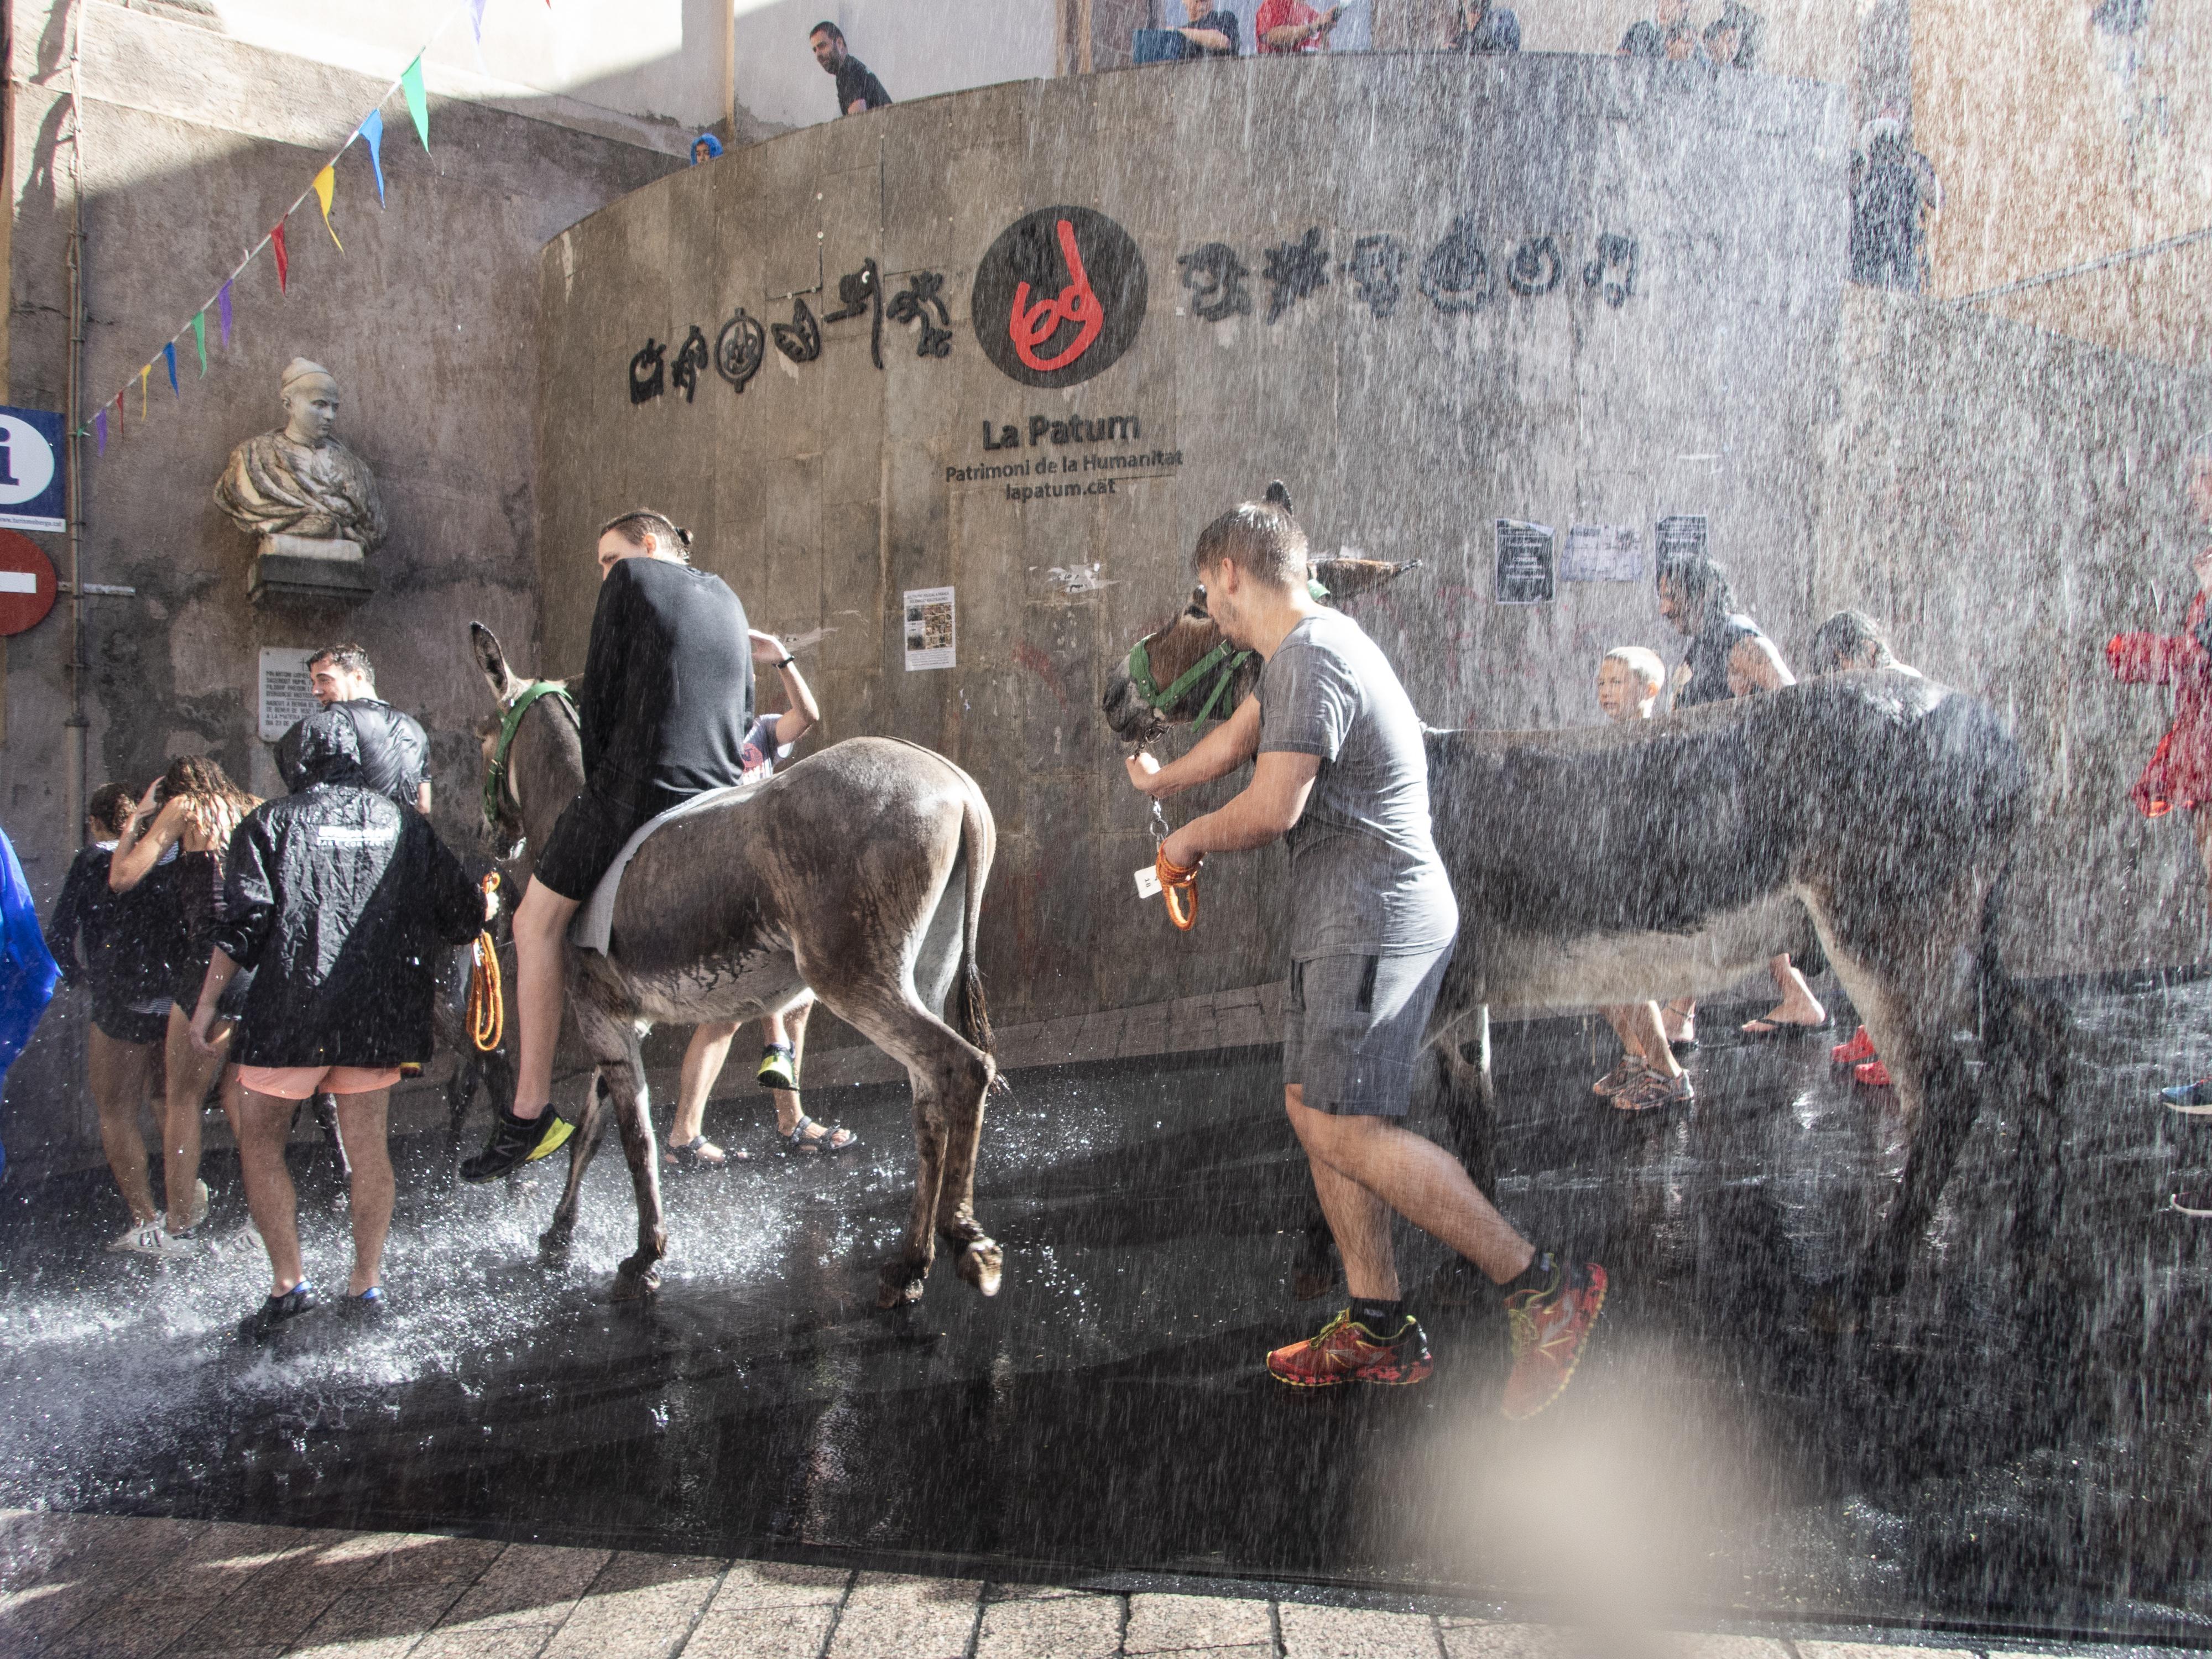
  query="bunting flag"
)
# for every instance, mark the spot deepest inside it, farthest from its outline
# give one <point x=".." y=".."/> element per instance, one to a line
<point x="199" y="339"/>
<point x="283" y="263"/>
<point x="223" y="305"/>
<point x="327" y="185"/>
<point x="371" y="133"/>
<point x="118" y="413"/>
<point x="476" y="19"/>
<point x="169" y="356"/>
<point x="145" y="373"/>
<point x="99" y="428"/>
<point x="418" y="106"/>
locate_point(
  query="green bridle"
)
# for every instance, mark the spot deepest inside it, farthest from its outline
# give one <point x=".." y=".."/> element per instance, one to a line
<point x="1223" y="662"/>
<point x="495" y="775"/>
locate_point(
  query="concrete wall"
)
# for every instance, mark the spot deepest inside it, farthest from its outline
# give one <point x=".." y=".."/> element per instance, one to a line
<point x="193" y="144"/>
<point x="822" y="492"/>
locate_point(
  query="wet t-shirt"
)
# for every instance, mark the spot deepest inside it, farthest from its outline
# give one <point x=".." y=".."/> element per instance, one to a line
<point x="762" y="752"/>
<point x="1707" y="659"/>
<point x="1365" y="880"/>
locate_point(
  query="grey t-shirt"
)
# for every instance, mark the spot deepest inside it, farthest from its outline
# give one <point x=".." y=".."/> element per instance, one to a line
<point x="1365" y="880"/>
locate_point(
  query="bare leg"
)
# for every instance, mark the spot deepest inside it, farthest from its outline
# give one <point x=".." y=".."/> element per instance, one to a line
<point x="190" y="1074"/>
<point x="1798" y="1006"/>
<point x="362" y="1125"/>
<point x="264" y="1123"/>
<point x="122" y="1075"/>
<point x="787" y="1103"/>
<point x="703" y="1060"/>
<point x="1678" y="1019"/>
<point x="541" y="927"/>
<point x="1643" y="1033"/>
<point x="1417" y="1178"/>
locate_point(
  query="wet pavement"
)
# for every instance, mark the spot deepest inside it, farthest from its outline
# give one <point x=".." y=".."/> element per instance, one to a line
<point x="2002" y="1450"/>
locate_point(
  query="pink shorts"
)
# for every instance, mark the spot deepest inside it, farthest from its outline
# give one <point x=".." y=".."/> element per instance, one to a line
<point x="298" y="1082"/>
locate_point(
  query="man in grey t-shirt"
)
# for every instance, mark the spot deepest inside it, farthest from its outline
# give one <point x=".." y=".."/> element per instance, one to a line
<point x="1340" y="769"/>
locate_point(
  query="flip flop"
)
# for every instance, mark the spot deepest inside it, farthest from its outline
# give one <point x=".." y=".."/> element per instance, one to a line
<point x="1766" y="1030"/>
<point x="808" y="1145"/>
<point x="688" y="1156"/>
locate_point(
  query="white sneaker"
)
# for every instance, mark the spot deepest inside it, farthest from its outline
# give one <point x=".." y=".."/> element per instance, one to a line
<point x="246" y="1241"/>
<point x="154" y="1239"/>
<point x="199" y="1205"/>
<point x="128" y="1245"/>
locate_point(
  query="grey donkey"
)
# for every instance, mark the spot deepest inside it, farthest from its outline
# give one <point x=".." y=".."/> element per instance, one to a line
<point x="857" y="872"/>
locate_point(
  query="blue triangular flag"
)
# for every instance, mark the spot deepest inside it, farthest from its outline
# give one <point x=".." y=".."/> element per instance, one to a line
<point x="169" y="356"/>
<point x="371" y="130"/>
<point x="475" y="16"/>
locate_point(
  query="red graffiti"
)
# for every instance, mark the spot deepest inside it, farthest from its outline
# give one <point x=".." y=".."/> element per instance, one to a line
<point x="1028" y="656"/>
<point x="1029" y="327"/>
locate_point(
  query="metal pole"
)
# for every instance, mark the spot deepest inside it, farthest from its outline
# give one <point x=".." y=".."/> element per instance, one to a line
<point x="76" y="727"/>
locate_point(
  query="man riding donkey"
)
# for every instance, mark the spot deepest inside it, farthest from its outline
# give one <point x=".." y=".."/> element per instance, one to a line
<point x="666" y="708"/>
<point x="1340" y="769"/>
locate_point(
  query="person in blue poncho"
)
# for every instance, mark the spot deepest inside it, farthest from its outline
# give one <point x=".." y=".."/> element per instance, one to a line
<point x="705" y="147"/>
<point x="28" y="972"/>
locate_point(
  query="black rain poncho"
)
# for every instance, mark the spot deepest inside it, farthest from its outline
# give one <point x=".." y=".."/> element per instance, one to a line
<point x="342" y="899"/>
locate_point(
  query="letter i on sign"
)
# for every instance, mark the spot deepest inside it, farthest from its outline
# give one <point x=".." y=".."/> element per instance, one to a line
<point x="7" y="466"/>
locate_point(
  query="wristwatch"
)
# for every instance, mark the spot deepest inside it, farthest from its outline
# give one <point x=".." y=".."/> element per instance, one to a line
<point x="785" y="663"/>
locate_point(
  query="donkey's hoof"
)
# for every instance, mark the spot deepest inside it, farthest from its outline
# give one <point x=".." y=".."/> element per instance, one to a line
<point x="981" y="1264"/>
<point x="636" y="1280"/>
<point x="553" y="1250"/>
<point x="902" y="1285"/>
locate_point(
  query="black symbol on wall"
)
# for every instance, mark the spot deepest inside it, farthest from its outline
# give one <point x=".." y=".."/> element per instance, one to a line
<point x="1613" y="252"/>
<point x="923" y="294"/>
<point x="1457" y="274"/>
<point x="800" y="339"/>
<point x="1215" y="277"/>
<point x="689" y="362"/>
<point x="1294" y="271"/>
<point x="739" y="349"/>
<point x="645" y="370"/>
<point x="862" y="291"/>
<point x="1377" y="270"/>
<point x="1534" y="267"/>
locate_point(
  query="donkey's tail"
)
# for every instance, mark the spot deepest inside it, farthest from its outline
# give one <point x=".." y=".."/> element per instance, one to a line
<point x="979" y="837"/>
<point x="2026" y="1034"/>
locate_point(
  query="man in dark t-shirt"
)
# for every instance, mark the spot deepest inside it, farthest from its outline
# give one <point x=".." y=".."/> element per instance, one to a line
<point x="1340" y="773"/>
<point x="858" y="91"/>
<point x="1211" y="32"/>
<point x="666" y="706"/>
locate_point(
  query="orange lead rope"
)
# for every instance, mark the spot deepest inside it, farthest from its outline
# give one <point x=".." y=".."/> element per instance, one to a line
<point x="487" y="996"/>
<point x="1173" y="880"/>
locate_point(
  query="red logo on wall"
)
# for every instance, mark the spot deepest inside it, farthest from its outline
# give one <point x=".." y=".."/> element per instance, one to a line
<point x="1059" y="297"/>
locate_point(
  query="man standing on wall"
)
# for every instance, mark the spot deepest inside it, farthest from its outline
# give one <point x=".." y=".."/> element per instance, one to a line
<point x="858" y="91"/>
<point x="1341" y="771"/>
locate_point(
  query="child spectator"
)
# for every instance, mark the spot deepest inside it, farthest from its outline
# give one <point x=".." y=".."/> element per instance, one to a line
<point x="1294" y="26"/>
<point x="1211" y="32"/>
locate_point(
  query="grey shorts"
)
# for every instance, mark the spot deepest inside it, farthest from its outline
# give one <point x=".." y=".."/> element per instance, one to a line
<point x="1353" y="1029"/>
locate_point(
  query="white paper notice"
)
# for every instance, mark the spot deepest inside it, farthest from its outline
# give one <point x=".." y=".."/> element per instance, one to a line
<point x="1603" y="553"/>
<point x="287" y="695"/>
<point x="930" y="637"/>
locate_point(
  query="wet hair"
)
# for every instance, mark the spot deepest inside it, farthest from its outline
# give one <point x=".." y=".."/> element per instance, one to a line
<point x="110" y="806"/>
<point x="1701" y="584"/>
<point x="1260" y="539"/>
<point x="347" y="658"/>
<point x="1846" y="638"/>
<point x="211" y="800"/>
<point x="1643" y="664"/>
<point x="635" y="526"/>
<point x="827" y="29"/>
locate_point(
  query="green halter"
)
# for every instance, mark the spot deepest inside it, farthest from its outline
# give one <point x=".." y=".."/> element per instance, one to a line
<point x="495" y="775"/>
<point x="1223" y="656"/>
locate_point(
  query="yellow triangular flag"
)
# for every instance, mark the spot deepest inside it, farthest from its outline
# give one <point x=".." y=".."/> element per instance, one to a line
<point x="145" y="373"/>
<point x="326" y="184"/>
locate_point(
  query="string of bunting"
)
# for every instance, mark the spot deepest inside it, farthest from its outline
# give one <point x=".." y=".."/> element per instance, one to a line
<point x="368" y="133"/>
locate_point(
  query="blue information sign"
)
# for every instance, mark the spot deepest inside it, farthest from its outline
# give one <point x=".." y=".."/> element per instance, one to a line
<point x="32" y="491"/>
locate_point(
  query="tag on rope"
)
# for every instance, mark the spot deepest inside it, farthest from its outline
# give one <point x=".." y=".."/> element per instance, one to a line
<point x="1148" y="883"/>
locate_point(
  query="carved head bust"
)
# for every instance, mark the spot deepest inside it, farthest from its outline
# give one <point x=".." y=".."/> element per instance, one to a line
<point x="310" y="395"/>
<point x="300" y="482"/>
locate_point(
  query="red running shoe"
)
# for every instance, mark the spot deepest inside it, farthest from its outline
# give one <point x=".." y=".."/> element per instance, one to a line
<point x="1874" y="1074"/>
<point x="1860" y="1047"/>
<point x="1550" y="1328"/>
<point x="1345" y="1351"/>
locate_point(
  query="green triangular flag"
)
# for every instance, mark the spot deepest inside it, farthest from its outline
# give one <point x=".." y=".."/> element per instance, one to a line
<point x="199" y="337"/>
<point x="418" y="106"/>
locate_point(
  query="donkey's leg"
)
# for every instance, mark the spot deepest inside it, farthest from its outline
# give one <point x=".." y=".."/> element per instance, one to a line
<point x="553" y="1242"/>
<point x="981" y="1262"/>
<point x="638" y="1275"/>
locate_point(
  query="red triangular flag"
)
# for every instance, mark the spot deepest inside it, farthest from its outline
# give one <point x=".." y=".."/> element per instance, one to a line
<point x="284" y="264"/>
<point x="118" y="413"/>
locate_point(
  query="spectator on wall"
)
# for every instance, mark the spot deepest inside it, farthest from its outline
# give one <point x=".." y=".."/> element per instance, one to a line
<point x="1667" y="34"/>
<point x="705" y="147"/>
<point x="1733" y="39"/>
<point x="857" y="90"/>
<point x="1211" y="31"/>
<point x="1282" y="26"/>
<point x="1895" y="195"/>
<point x="1481" y="28"/>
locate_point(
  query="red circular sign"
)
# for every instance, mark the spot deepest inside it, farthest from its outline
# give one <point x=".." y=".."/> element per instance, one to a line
<point x="28" y="583"/>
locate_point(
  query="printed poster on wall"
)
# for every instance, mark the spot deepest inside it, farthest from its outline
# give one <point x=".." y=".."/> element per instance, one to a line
<point x="1524" y="561"/>
<point x="929" y="641"/>
<point x="287" y="695"/>
<point x="1602" y="553"/>
<point x="1681" y="536"/>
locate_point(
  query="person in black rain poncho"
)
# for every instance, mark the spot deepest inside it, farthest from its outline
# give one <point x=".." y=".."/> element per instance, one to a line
<point x="340" y="899"/>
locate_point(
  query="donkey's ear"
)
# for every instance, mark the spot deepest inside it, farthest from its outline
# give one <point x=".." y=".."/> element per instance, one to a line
<point x="492" y="660"/>
<point x="1278" y="495"/>
<point x="1348" y="579"/>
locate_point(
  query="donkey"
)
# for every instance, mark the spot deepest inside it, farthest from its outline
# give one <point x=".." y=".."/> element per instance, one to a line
<point x="1875" y="813"/>
<point x="857" y="872"/>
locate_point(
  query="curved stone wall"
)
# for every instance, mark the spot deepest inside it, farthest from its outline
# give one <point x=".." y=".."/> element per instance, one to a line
<point x="1429" y="292"/>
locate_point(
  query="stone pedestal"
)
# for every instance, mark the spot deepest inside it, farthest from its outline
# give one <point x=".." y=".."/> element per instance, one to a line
<point x="293" y="570"/>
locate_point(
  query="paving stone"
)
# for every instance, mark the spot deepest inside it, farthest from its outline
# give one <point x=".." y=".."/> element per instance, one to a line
<point x="1732" y="1647"/>
<point x="1166" y="1624"/>
<point x="889" y="1616"/>
<point x="528" y="1584"/>
<point x="1310" y="1632"/>
<point x="762" y="1632"/>
<point x="381" y="1622"/>
<point x="1246" y="1651"/>
<point x="641" y="1607"/>
<point x="423" y="1559"/>
<point x="1466" y="1638"/>
<point x="1066" y="1627"/>
<point x="135" y="1626"/>
<point x="1865" y="1650"/>
<point x="484" y="1642"/>
<point x="768" y="1584"/>
<point x="284" y="1600"/>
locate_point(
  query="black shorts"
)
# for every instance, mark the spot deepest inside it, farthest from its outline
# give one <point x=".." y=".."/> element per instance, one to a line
<point x="122" y="1022"/>
<point x="589" y="836"/>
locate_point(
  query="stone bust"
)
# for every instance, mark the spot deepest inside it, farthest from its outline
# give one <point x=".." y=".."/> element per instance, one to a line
<point x="299" y="489"/>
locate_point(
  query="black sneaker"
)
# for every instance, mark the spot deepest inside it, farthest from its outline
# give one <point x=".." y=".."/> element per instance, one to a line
<point x="367" y="1307"/>
<point x="515" y="1141"/>
<point x="262" y="1323"/>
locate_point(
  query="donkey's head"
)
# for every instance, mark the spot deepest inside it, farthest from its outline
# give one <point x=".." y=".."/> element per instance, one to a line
<point x="533" y="755"/>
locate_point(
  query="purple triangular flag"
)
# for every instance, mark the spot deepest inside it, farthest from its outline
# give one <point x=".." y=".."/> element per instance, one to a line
<point x="100" y="430"/>
<point x="222" y="309"/>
